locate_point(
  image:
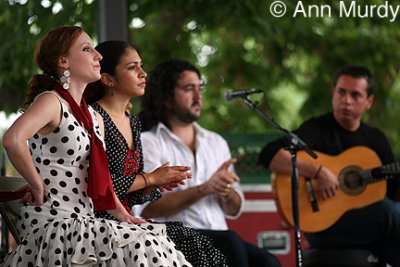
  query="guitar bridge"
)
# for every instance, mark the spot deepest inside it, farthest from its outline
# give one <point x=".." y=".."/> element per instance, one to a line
<point x="311" y="195"/>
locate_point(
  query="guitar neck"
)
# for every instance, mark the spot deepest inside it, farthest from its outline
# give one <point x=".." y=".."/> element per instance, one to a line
<point x="380" y="173"/>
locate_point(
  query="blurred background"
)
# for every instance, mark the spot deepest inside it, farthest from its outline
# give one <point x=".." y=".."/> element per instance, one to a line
<point x="237" y="44"/>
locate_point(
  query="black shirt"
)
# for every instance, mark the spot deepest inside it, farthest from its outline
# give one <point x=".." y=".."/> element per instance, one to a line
<point x="325" y="135"/>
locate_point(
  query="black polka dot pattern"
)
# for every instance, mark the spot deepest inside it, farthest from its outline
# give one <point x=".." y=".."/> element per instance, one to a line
<point x="64" y="231"/>
<point x="117" y="149"/>
<point x="197" y="249"/>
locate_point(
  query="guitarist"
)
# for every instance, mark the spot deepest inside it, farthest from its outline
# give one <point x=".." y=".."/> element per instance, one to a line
<point x="375" y="226"/>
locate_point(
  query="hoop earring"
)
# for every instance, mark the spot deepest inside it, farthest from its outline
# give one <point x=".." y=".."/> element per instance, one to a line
<point x="66" y="79"/>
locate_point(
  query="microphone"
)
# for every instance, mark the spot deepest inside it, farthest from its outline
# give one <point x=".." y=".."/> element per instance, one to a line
<point x="230" y="94"/>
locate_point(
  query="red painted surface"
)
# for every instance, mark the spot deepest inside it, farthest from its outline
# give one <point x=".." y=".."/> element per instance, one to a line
<point x="251" y="223"/>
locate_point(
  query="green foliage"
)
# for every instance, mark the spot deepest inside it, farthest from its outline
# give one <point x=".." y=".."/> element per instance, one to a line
<point x="22" y="24"/>
<point x="237" y="44"/>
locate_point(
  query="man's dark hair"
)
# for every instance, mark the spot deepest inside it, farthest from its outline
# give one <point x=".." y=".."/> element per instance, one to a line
<point x="160" y="87"/>
<point x="356" y="72"/>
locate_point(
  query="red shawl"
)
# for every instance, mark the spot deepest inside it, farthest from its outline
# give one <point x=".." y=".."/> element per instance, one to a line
<point x="100" y="187"/>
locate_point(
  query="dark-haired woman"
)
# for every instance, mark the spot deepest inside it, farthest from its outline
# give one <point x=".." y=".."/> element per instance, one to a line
<point x="122" y="77"/>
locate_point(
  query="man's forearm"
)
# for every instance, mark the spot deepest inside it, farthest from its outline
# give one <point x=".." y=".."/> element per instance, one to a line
<point x="172" y="203"/>
<point x="231" y="203"/>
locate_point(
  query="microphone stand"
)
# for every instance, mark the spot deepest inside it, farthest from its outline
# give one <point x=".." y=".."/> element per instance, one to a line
<point x="295" y="144"/>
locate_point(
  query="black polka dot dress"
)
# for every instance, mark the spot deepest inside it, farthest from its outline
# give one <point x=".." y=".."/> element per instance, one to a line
<point x="124" y="166"/>
<point x="64" y="231"/>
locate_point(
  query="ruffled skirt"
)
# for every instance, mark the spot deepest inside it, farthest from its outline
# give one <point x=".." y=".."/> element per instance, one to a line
<point x="96" y="242"/>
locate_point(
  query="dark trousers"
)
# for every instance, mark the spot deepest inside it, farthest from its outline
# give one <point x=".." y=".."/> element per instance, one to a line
<point x="238" y="252"/>
<point x="376" y="226"/>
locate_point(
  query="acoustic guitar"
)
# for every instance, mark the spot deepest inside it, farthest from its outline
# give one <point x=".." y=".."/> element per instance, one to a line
<point x="362" y="181"/>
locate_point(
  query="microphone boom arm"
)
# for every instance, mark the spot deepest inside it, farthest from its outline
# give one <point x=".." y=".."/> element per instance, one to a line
<point x="293" y="139"/>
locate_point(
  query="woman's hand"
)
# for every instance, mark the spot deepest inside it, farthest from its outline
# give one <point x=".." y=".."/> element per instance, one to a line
<point x="122" y="215"/>
<point x="168" y="177"/>
<point x="35" y="196"/>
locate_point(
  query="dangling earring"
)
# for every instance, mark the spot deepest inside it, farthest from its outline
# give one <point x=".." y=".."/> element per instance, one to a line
<point x="66" y="79"/>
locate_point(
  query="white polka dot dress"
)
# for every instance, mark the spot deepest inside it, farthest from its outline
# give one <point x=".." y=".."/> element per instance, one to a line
<point x="124" y="166"/>
<point x="63" y="231"/>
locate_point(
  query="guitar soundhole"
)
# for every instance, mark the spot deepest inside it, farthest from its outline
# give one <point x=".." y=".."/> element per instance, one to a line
<point x="350" y="181"/>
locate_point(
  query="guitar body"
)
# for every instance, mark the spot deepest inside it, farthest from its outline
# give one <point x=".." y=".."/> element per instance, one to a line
<point x="348" y="196"/>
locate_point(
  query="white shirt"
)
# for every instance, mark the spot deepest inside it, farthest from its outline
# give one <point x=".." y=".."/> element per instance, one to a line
<point x="160" y="145"/>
